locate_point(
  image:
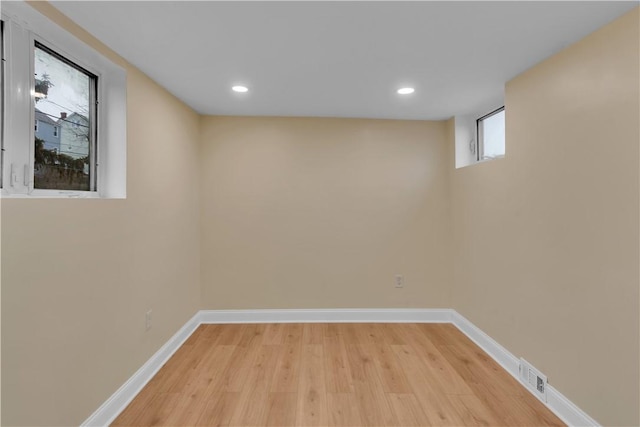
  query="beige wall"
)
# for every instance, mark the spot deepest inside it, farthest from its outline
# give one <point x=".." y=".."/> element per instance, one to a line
<point x="322" y="213"/>
<point x="79" y="275"/>
<point x="546" y="240"/>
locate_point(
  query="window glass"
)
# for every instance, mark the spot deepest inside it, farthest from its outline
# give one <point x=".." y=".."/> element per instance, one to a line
<point x="64" y="110"/>
<point x="491" y="135"/>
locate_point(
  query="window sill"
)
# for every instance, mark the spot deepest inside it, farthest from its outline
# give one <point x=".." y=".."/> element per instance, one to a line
<point x="51" y="194"/>
<point x="488" y="159"/>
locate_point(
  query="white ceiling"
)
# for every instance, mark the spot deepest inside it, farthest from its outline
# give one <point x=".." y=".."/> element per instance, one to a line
<point x="339" y="59"/>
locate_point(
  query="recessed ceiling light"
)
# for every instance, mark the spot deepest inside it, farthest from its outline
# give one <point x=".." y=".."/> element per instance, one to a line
<point x="241" y="89"/>
<point x="406" y="90"/>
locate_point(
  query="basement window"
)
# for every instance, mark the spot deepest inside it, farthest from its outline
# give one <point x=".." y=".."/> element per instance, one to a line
<point x="491" y="135"/>
<point x="77" y="99"/>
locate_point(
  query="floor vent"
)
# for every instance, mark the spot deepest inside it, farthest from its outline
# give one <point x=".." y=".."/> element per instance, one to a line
<point x="533" y="379"/>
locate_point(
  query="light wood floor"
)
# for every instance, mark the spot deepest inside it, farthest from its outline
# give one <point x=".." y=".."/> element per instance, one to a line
<point x="333" y="375"/>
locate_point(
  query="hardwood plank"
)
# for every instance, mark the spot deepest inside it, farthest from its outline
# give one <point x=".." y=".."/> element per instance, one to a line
<point x="352" y="334"/>
<point x="493" y="399"/>
<point x="534" y="411"/>
<point x="442" y="333"/>
<point x="293" y="334"/>
<point x="231" y="334"/>
<point x="282" y="409"/>
<point x="373" y="405"/>
<point x="338" y="373"/>
<point x="274" y="334"/>
<point x="312" y="333"/>
<point x="236" y="373"/>
<point x="374" y="408"/>
<point x="252" y="409"/>
<point x="312" y="397"/>
<point x="176" y="367"/>
<point x="211" y="331"/>
<point x="442" y="372"/>
<point x="408" y="410"/>
<point x="391" y="374"/>
<point x="193" y="391"/>
<point x="190" y="367"/>
<point x="211" y="373"/>
<point x="496" y="388"/>
<point x="333" y="330"/>
<point x="367" y="333"/>
<point x="343" y="410"/>
<point x="187" y="410"/>
<point x="474" y="412"/>
<point x="360" y="363"/>
<point x="158" y="410"/>
<point x="505" y="407"/>
<point x="199" y="371"/>
<point x="392" y="333"/>
<point x="287" y="373"/>
<point x="253" y="403"/>
<point x="439" y="410"/>
<point x="483" y="368"/>
<point x="252" y="335"/>
<point x="218" y="410"/>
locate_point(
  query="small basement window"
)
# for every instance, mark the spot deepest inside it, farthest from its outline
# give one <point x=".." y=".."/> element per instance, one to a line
<point x="491" y="135"/>
<point x="64" y="127"/>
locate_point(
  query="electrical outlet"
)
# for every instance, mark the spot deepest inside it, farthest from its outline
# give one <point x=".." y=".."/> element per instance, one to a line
<point x="147" y="320"/>
<point x="399" y="281"/>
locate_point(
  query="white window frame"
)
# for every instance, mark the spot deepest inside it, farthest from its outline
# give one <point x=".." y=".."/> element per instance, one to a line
<point x="23" y="26"/>
<point x="480" y="138"/>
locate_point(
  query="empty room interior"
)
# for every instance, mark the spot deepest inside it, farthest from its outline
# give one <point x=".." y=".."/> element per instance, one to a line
<point x="320" y="213"/>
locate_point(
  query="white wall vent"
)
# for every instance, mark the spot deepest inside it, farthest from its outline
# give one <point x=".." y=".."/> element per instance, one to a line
<point x="533" y="379"/>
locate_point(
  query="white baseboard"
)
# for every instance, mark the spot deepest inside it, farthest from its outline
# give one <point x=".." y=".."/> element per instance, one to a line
<point x="381" y="315"/>
<point x="103" y="416"/>
<point x="556" y="401"/>
<point x="119" y="400"/>
<point x="567" y="411"/>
